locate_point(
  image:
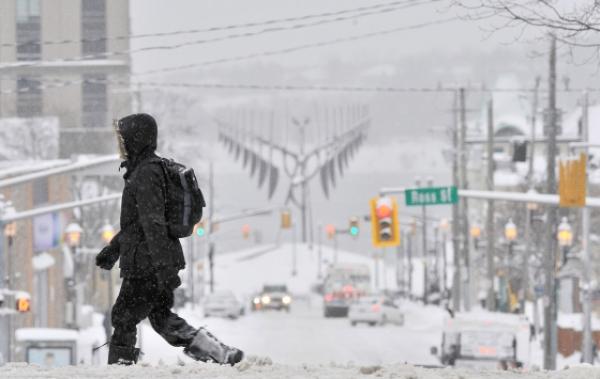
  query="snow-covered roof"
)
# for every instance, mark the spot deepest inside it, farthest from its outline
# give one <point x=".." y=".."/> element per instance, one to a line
<point x="46" y="334"/>
<point x="572" y="119"/>
<point x="575" y="321"/>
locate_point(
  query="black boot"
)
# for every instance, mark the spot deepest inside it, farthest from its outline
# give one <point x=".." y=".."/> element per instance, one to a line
<point x="206" y="348"/>
<point x="122" y="355"/>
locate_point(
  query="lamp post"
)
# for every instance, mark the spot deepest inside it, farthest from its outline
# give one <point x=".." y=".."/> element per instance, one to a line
<point x="73" y="238"/>
<point x="475" y="234"/>
<point x="107" y="233"/>
<point x="565" y="238"/>
<point x="10" y="231"/>
<point x="510" y="233"/>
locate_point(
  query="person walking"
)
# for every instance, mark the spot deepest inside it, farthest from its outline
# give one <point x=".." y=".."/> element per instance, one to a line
<point x="150" y="258"/>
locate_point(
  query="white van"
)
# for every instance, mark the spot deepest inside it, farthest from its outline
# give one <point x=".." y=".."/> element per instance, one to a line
<point x="484" y="339"/>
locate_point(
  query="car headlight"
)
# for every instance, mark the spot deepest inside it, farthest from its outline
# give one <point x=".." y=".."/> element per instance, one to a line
<point x="256" y="300"/>
<point x="286" y="300"/>
<point x="265" y="299"/>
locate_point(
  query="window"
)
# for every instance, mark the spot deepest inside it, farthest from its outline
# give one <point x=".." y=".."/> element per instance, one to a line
<point x="93" y="27"/>
<point x="94" y="102"/>
<point x="28" y="33"/>
<point x="29" y="97"/>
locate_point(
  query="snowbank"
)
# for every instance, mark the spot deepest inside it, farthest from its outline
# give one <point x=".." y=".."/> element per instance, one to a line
<point x="255" y="367"/>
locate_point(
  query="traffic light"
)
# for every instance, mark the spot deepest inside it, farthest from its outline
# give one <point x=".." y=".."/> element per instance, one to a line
<point x="385" y="231"/>
<point x="22" y="304"/>
<point x="330" y="230"/>
<point x="572" y="182"/>
<point x="245" y="231"/>
<point x="286" y="219"/>
<point x="200" y="230"/>
<point x="354" y="229"/>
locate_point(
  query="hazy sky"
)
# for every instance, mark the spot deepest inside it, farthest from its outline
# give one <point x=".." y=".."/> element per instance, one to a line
<point x="160" y="16"/>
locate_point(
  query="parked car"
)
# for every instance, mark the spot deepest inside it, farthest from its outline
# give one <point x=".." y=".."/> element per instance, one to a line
<point x="272" y="296"/>
<point x="375" y="310"/>
<point x="222" y="304"/>
<point x="485" y="340"/>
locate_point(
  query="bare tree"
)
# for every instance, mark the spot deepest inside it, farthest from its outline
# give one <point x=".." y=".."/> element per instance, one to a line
<point x="574" y="22"/>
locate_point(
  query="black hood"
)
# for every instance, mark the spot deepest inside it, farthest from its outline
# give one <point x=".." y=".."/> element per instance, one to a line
<point x="138" y="134"/>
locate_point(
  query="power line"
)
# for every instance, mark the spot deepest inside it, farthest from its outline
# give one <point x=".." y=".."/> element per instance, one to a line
<point x="112" y="54"/>
<point x="298" y="47"/>
<point x="216" y="28"/>
<point x="58" y="83"/>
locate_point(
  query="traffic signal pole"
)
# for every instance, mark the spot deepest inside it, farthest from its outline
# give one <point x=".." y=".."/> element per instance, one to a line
<point x="550" y="307"/>
<point x="456" y="281"/>
<point x="464" y="206"/>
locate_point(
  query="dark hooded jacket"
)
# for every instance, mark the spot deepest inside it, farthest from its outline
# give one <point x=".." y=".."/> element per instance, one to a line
<point x="143" y="244"/>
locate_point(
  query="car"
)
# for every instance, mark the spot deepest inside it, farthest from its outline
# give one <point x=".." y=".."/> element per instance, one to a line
<point x="222" y="304"/>
<point x="272" y="296"/>
<point x="484" y="340"/>
<point x="343" y="284"/>
<point x="375" y="310"/>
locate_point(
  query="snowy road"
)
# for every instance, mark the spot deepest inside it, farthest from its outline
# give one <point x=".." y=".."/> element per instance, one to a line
<point x="305" y="336"/>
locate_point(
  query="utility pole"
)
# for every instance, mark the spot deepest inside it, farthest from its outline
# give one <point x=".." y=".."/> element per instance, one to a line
<point x="530" y="186"/>
<point x="456" y="281"/>
<point x="585" y="243"/>
<point x="550" y="311"/>
<point x="464" y="184"/>
<point x="489" y="224"/>
<point x="534" y="107"/>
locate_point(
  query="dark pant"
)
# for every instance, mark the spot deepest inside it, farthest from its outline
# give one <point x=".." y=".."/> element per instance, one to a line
<point x="140" y="298"/>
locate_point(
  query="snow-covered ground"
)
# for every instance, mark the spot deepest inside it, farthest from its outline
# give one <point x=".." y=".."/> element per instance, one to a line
<point x="262" y="368"/>
<point x="302" y="343"/>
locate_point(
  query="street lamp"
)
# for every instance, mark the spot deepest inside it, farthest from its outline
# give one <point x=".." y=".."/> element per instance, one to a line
<point x="73" y="233"/>
<point x="73" y="238"/>
<point x="107" y="232"/>
<point x="510" y="233"/>
<point x="475" y="234"/>
<point x="564" y="237"/>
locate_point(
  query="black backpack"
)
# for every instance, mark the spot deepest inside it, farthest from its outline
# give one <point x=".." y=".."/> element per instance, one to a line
<point x="184" y="200"/>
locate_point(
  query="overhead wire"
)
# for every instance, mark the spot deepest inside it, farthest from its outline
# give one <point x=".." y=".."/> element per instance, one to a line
<point x="292" y="49"/>
<point x="111" y="54"/>
<point x="211" y="28"/>
<point x="289" y="87"/>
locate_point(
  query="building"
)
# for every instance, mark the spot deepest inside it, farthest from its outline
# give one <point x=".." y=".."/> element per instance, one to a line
<point x="62" y="58"/>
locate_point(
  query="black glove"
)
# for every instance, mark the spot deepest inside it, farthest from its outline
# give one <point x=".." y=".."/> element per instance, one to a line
<point x="107" y="258"/>
<point x="167" y="279"/>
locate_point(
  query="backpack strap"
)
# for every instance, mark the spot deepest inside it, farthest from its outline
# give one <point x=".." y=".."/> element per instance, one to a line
<point x="161" y="162"/>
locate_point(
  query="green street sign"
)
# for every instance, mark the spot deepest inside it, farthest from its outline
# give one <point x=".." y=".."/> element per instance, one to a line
<point x="431" y="196"/>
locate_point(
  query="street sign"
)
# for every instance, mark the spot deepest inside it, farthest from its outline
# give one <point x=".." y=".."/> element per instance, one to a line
<point x="431" y="196"/>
